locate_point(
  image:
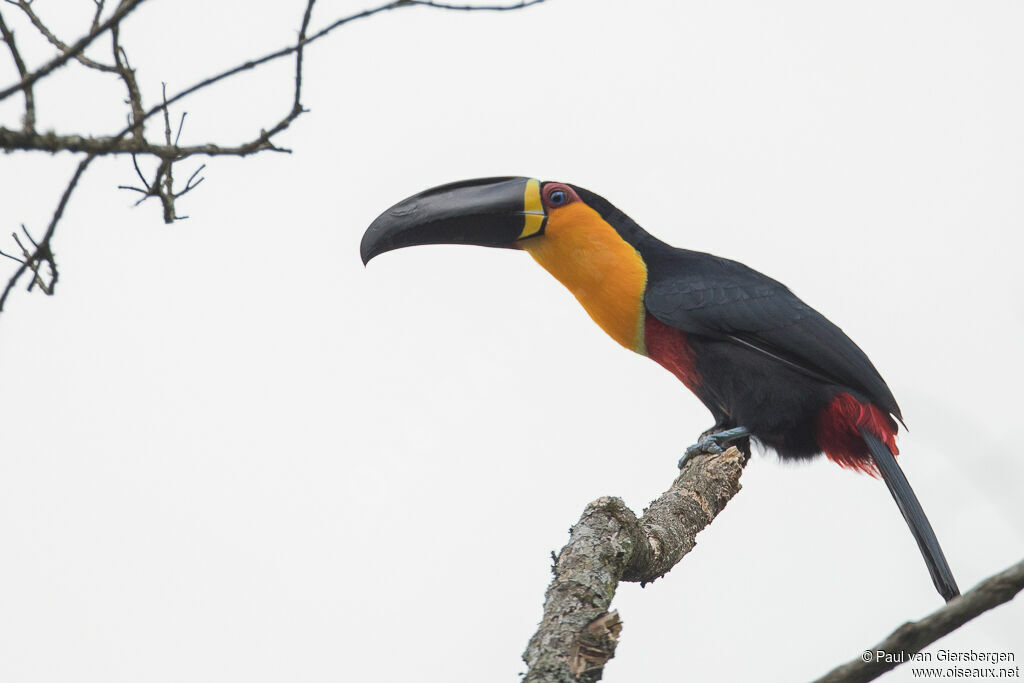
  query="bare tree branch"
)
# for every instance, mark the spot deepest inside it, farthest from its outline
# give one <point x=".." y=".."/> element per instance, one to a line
<point x="137" y="117"/>
<point x="475" y="8"/>
<point x="50" y="142"/>
<point x="131" y="140"/>
<point x="162" y="185"/>
<point x="123" y="10"/>
<point x="15" y="140"/>
<point x="27" y="258"/>
<point x="578" y="634"/>
<point x="43" y="253"/>
<point x="29" y="120"/>
<point x="99" y="12"/>
<point x="914" y="636"/>
<point x="26" y="7"/>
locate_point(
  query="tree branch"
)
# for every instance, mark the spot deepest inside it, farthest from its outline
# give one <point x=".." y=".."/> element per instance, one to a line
<point x="914" y="636"/>
<point x="26" y="7"/>
<point x="117" y="144"/>
<point x="578" y="634"/>
<point x="474" y="8"/>
<point x="43" y="253"/>
<point x="125" y="8"/>
<point x="135" y="144"/>
<point x="16" y="140"/>
<point x="29" y="120"/>
<point x="127" y="74"/>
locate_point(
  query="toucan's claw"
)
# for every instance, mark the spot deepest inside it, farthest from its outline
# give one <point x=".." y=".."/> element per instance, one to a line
<point x="714" y="443"/>
<point x="707" y="445"/>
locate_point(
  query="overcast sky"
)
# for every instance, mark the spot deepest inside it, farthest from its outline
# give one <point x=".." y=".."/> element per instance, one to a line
<point x="232" y="453"/>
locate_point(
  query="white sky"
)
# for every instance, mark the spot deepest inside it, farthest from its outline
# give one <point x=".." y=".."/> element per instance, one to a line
<point x="231" y="453"/>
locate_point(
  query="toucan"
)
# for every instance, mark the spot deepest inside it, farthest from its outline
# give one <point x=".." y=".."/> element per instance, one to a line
<point x="768" y="366"/>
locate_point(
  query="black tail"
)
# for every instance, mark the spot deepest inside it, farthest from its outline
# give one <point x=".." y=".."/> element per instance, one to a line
<point x="904" y="496"/>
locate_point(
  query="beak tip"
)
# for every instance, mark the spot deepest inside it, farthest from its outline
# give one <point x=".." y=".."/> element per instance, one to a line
<point x="370" y="245"/>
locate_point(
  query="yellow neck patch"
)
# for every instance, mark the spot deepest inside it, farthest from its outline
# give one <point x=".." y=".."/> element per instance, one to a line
<point x="603" y="271"/>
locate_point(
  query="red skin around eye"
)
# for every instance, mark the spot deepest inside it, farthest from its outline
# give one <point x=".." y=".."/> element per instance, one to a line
<point x="570" y="194"/>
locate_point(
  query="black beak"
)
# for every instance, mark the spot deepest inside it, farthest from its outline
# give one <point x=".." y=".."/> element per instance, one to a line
<point x="489" y="212"/>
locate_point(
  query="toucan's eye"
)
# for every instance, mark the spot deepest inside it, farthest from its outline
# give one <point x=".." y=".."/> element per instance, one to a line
<point x="558" y="194"/>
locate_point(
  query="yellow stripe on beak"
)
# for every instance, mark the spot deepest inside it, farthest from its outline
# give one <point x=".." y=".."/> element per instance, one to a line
<point x="533" y="210"/>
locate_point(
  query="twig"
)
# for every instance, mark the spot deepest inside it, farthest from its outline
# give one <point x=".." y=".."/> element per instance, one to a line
<point x="42" y="250"/>
<point x="578" y="634"/>
<point x="181" y="124"/>
<point x="914" y="636"/>
<point x="138" y="171"/>
<point x="26" y="7"/>
<point x="165" y="188"/>
<point x="188" y="185"/>
<point x="98" y="14"/>
<point x="127" y="74"/>
<point x="29" y="121"/>
<point x="33" y="265"/>
<point x="162" y="185"/>
<point x="475" y="8"/>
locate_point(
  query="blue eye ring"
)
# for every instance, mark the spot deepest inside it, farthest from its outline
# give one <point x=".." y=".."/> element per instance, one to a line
<point x="558" y="197"/>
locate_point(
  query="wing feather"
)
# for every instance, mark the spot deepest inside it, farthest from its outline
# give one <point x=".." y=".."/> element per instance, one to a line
<point x="725" y="299"/>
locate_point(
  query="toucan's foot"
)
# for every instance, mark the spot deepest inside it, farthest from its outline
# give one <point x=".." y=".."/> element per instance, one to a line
<point x="714" y="443"/>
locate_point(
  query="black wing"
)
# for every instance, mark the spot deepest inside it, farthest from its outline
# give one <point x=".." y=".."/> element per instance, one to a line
<point x="723" y="299"/>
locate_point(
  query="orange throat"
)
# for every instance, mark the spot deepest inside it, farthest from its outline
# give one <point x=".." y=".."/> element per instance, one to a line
<point x="603" y="271"/>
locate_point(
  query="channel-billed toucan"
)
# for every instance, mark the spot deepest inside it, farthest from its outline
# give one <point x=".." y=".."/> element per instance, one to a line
<point x="767" y="365"/>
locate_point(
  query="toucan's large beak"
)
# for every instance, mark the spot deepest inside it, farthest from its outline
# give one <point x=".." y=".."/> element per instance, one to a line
<point x="490" y="212"/>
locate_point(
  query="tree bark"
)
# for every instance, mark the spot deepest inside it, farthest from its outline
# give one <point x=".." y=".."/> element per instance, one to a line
<point x="609" y="544"/>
